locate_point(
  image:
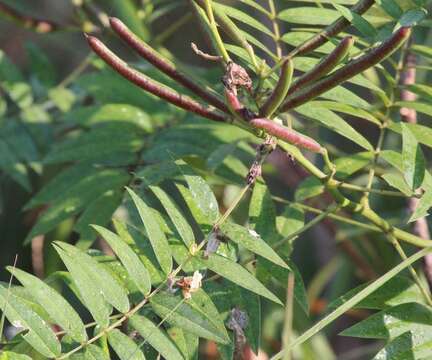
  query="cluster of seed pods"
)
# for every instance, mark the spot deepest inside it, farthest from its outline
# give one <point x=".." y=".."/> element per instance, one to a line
<point x="285" y="95"/>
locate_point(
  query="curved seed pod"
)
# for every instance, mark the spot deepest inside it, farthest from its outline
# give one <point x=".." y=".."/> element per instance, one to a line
<point x="280" y="91"/>
<point x="285" y="134"/>
<point x="163" y="64"/>
<point x="331" y="30"/>
<point x="326" y="65"/>
<point x="148" y="84"/>
<point x="353" y="68"/>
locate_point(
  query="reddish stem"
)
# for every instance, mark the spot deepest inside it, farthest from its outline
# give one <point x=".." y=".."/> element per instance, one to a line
<point x="164" y="65"/>
<point x="148" y="84"/>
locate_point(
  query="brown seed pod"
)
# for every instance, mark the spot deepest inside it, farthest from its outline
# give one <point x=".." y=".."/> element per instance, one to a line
<point x="285" y="134"/>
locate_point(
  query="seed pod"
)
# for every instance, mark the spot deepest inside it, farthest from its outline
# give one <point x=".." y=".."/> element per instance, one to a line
<point x="285" y="134"/>
<point x="326" y="65"/>
<point x="331" y="30"/>
<point x="280" y="91"/>
<point x="353" y="68"/>
<point x="163" y="64"/>
<point x="233" y="102"/>
<point x="149" y="84"/>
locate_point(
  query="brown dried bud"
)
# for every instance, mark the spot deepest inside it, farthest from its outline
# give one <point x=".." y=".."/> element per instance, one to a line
<point x="236" y="76"/>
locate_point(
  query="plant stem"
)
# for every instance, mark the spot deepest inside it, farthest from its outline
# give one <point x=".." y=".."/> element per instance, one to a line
<point x="276" y="30"/>
<point x="288" y="320"/>
<point x="351" y="302"/>
<point x="213" y="27"/>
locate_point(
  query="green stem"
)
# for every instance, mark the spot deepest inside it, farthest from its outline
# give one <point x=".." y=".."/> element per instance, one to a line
<point x="213" y="27"/>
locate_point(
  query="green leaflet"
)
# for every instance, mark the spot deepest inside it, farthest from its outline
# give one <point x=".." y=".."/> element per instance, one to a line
<point x="92" y="115"/>
<point x="182" y="226"/>
<point x="154" y="336"/>
<point x="187" y="343"/>
<point x="40" y="336"/>
<point x="252" y="242"/>
<point x="124" y="346"/>
<point x="113" y="292"/>
<point x="238" y="275"/>
<point x="308" y="188"/>
<point x="200" y="191"/>
<point x="9" y="355"/>
<point x="413" y="162"/>
<point x="422" y="133"/>
<point x="333" y="122"/>
<point x="397" y="291"/>
<point x="130" y="260"/>
<point x="55" y="305"/>
<point x="425" y="202"/>
<point x="397" y="181"/>
<point x="390" y="323"/>
<point x="405" y="347"/>
<point x="77" y="197"/>
<point x="98" y="212"/>
<point x="89" y="292"/>
<point x="197" y="315"/>
<point x="226" y="296"/>
<point x="155" y="234"/>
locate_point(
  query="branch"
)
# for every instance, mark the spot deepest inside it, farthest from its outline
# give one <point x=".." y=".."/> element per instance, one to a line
<point x="353" y="68"/>
<point x="157" y="60"/>
<point x="148" y="84"/>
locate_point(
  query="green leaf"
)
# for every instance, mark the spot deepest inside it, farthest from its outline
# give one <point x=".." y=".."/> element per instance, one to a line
<point x="422" y="133"/>
<point x="182" y="226"/>
<point x="399" y="290"/>
<point x="136" y="239"/>
<point x="99" y="212"/>
<point x="197" y="315"/>
<point x="348" y="109"/>
<point x="353" y="301"/>
<point x="391" y="7"/>
<point x="397" y="181"/>
<point x="63" y="98"/>
<point x="253" y="242"/>
<point x="155" y="234"/>
<point x="9" y="355"/>
<point x="135" y="268"/>
<point x="39" y="335"/>
<point x="425" y="202"/>
<point x="227" y="296"/>
<point x="155" y="337"/>
<point x="405" y="347"/>
<point x="97" y="114"/>
<point x="187" y="343"/>
<point x="242" y="17"/>
<point x="262" y="213"/>
<point x="349" y="165"/>
<point x="100" y="143"/>
<point x="12" y="166"/>
<point x="124" y="346"/>
<point x="417" y="106"/>
<point x="413" y="162"/>
<point x="89" y="292"/>
<point x="333" y="122"/>
<point x="358" y="21"/>
<point x="308" y="188"/>
<point x="413" y="17"/>
<point x="393" y="158"/>
<point x="390" y="323"/>
<point x="56" y="306"/>
<point x="200" y="191"/>
<point x="238" y="275"/>
<point x="76" y="197"/>
<point x="309" y="15"/>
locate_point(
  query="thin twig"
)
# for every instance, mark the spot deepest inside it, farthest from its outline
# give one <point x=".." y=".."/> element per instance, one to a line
<point x="204" y="55"/>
